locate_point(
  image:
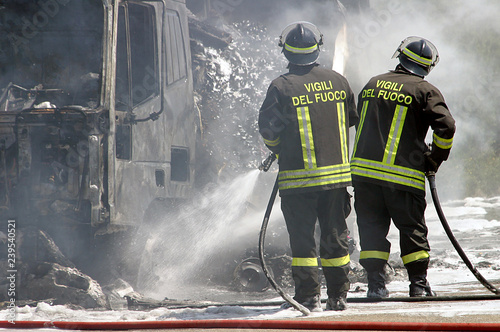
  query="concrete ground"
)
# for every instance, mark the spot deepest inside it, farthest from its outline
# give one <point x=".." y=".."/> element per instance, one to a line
<point x="420" y="319"/>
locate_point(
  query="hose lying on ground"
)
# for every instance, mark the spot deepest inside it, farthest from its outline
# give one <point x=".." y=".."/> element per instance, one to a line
<point x="431" y="177"/>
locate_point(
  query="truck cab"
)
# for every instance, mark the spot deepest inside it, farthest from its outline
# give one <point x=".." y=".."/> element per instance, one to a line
<point x="97" y="116"/>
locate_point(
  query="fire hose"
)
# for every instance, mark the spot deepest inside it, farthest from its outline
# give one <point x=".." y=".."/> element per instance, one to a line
<point x="266" y="164"/>
<point x="431" y="177"/>
<point x="239" y="324"/>
<point x="287" y="324"/>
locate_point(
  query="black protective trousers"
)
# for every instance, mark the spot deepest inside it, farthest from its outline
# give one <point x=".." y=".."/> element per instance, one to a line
<point x="301" y="212"/>
<point x="375" y="206"/>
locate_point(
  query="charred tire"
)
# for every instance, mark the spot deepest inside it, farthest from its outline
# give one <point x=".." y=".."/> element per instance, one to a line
<point x="249" y="276"/>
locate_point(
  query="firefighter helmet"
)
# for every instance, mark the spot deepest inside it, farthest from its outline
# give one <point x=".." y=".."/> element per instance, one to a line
<point x="300" y="43"/>
<point x="417" y="55"/>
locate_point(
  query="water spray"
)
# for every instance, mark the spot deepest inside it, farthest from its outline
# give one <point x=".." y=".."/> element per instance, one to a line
<point x="431" y="177"/>
<point x="266" y="164"/>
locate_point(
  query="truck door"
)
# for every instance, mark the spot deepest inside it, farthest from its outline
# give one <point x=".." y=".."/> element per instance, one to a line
<point x="141" y="147"/>
<point x="154" y="106"/>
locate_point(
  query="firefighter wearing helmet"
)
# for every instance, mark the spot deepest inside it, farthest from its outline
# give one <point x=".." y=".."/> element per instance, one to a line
<point x="305" y="120"/>
<point x="390" y="160"/>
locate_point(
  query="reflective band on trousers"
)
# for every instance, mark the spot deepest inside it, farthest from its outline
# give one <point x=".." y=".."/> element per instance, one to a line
<point x="307" y="261"/>
<point x="313" y="261"/>
<point x="366" y="254"/>
<point x="335" y="262"/>
<point x="443" y="143"/>
<point x="389" y="173"/>
<point x="415" y="256"/>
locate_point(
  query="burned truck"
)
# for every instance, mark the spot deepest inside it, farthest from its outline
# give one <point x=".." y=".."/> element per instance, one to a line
<point x="97" y="117"/>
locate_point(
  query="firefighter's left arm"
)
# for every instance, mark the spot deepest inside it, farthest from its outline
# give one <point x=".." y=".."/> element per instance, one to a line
<point x="271" y="120"/>
<point x="442" y="124"/>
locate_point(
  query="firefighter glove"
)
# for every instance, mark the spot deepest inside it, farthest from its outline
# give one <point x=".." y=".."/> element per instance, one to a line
<point x="431" y="165"/>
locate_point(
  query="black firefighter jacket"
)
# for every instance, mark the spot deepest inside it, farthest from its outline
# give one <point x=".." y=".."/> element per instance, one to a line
<point x="396" y="110"/>
<point x="305" y="119"/>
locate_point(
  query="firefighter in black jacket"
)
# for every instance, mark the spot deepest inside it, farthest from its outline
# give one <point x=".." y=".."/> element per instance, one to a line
<point x="305" y="120"/>
<point x="390" y="160"/>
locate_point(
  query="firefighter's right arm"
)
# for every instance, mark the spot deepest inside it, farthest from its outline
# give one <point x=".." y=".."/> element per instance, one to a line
<point x="443" y="126"/>
<point x="271" y="120"/>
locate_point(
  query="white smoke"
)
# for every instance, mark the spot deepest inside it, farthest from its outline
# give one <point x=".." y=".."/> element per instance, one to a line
<point x="242" y="74"/>
<point x="466" y="83"/>
<point x="341" y="51"/>
<point x="373" y="33"/>
<point x="466" y="34"/>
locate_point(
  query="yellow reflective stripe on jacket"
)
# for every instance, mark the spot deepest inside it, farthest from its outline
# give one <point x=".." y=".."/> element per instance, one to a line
<point x="335" y="262"/>
<point x="314" y="182"/>
<point x="415" y="256"/>
<point x="390" y="173"/>
<point x="366" y="254"/>
<point x="397" y="124"/>
<point x="303" y="178"/>
<point x="342" y="131"/>
<point x="272" y="143"/>
<point x="360" y="125"/>
<point x="306" y="137"/>
<point x="318" y="171"/>
<point x="307" y="261"/>
<point x="417" y="58"/>
<point x="443" y="143"/>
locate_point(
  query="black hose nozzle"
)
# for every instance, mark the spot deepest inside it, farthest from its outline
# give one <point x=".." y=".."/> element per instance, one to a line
<point x="266" y="164"/>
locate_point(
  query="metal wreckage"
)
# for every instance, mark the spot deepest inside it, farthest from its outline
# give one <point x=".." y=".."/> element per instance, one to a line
<point x="97" y="120"/>
<point x="97" y="123"/>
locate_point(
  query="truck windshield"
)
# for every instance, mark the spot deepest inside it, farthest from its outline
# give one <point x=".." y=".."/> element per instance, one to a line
<point x="50" y="51"/>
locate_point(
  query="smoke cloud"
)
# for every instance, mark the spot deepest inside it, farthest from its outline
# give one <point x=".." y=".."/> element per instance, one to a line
<point x="239" y="76"/>
<point x="463" y="31"/>
<point x="466" y="34"/>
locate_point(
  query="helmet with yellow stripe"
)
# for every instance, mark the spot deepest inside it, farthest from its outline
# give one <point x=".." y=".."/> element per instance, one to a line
<point x="300" y="43"/>
<point x="417" y="55"/>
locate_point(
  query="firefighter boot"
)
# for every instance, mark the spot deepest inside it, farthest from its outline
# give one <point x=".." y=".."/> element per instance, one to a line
<point x="417" y="273"/>
<point x="419" y="286"/>
<point x="312" y="303"/>
<point x="376" y="284"/>
<point x="337" y="302"/>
